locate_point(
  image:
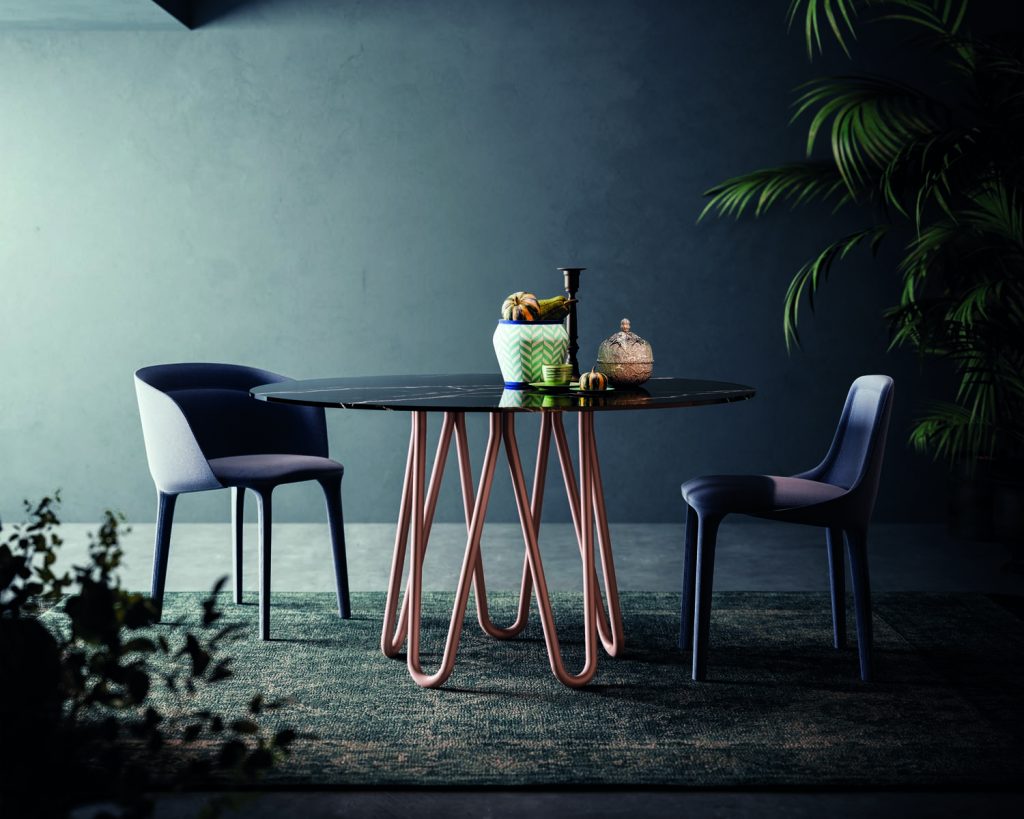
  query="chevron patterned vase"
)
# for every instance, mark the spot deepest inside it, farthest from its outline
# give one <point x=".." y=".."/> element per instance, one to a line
<point x="523" y="347"/>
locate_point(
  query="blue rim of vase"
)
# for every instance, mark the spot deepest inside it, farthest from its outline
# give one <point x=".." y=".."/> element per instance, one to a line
<point x="517" y="385"/>
<point x="513" y="321"/>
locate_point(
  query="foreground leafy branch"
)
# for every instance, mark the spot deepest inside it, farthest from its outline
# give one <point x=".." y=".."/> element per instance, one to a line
<point x="79" y="700"/>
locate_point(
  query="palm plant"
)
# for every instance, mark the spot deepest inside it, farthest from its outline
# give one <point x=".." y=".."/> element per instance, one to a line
<point x="939" y="170"/>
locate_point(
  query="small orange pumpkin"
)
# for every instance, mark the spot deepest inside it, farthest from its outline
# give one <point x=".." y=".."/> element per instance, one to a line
<point x="593" y="381"/>
<point x="521" y="306"/>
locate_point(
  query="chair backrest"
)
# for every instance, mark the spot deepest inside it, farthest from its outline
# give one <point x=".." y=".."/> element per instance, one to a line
<point x="854" y="460"/>
<point x="192" y="413"/>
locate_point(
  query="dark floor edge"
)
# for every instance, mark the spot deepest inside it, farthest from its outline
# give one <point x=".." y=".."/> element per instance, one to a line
<point x="966" y="788"/>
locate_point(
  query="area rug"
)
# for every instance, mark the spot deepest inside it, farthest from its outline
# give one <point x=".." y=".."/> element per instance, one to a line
<point x="780" y="707"/>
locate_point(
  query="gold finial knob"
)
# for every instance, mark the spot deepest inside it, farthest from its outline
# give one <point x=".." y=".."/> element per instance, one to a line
<point x="624" y="325"/>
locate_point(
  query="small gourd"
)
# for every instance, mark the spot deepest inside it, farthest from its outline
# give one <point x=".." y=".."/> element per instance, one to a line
<point x="593" y="381"/>
<point x="521" y="306"/>
<point x="555" y="308"/>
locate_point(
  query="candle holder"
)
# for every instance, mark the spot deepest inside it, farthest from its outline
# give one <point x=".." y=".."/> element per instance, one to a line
<point x="572" y="284"/>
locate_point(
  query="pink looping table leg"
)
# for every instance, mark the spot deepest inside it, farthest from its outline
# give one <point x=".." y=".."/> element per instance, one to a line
<point x="444" y="443"/>
<point x="391" y="640"/>
<point x="526" y="583"/>
<point x="468" y="564"/>
<point x="609" y="627"/>
<point x="479" y="585"/>
<point x="536" y="566"/>
<point x="613" y="642"/>
<point x="465" y="469"/>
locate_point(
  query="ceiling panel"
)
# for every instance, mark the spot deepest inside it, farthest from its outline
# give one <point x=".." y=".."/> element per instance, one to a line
<point x="92" y="14"/>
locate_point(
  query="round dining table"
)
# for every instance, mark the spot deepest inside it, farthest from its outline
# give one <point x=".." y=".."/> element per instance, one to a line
<point x="455" y="396"/>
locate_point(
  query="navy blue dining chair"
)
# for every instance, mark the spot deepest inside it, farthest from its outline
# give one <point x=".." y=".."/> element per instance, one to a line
<point x="203" y="431"/>
<point x="838" y="494"/>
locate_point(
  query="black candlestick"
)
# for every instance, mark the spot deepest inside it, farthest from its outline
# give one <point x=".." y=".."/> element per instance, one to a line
<point x="572" y="284"/>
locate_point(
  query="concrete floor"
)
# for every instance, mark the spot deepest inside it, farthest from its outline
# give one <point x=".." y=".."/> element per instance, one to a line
<point x="752" y="555"/>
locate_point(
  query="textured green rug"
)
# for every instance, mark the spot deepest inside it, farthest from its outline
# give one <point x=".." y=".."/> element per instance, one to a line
<point x="780" y="707"/>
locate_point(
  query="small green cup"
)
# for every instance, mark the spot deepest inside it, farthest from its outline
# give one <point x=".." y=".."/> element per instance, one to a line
<point x="557" y="373"/>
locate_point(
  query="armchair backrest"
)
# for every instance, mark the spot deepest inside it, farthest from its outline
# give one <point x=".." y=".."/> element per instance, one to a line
<point x="192" y="413"/>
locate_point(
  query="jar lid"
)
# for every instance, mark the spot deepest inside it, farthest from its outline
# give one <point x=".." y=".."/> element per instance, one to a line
<point x="625" y="346"/>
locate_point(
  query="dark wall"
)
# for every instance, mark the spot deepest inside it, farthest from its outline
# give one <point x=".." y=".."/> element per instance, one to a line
<point x="328" y="188"/>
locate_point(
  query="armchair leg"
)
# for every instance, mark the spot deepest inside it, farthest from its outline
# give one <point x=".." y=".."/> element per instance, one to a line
<point x="265" y="516"/>
<point x="857" y="544"/>
<point x="707" y="535"/>
<point x="336" y="522"/>
<point x="237" y="519"/>
<point x="161" y="550"/>
<point x="689" y="579"/>
<point x="837" y="584"/>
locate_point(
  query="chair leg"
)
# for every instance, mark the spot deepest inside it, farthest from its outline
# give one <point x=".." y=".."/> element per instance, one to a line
<point x="161" y="550"/>
<point x="689" y="578"/>
<point x="237" y="519"/>
<point x="857" y="543"/>
<point x="336" y="523"/>
<point x="707" y="535"/>
<point x="837" y="584"/>
<point x="265" y="516"/>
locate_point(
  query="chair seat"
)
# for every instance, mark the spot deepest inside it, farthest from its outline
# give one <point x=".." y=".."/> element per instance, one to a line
<point x="756" y="494"/>
<point x="838" y="495"/>
<point x="249" y="470"/>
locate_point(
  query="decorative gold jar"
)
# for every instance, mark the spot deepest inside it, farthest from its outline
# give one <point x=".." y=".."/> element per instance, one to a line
<point x="625" y="358"/>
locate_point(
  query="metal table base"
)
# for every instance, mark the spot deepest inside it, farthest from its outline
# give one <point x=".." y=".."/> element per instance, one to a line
<point x="419" y="502"/>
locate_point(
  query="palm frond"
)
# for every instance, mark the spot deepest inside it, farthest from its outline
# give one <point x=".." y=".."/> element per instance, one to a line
<point x="948" y="169"/>
<point x="815" y="272"/>
<point x="950" y="432"/>
<point x="941" y="18"/>
<point x="872" y="118"/>
<point x="972" y="306"/>
<point x="922" y="253"/>
<point x="997" y="58"/>
<point x="995" y="210"/>
<point x="797" y="183"/>
<point x="838" y="15"/>
<point x="924" y="172"/>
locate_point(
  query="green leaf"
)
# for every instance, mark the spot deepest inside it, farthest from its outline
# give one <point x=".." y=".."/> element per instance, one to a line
<point x="221" y="671"/>
<point x="870" y="120"/>
<point x="244" y="726"/>
<point x="838" y="14"/>
<point x="284" y="738"/>
<point x="137" y="683"/>
<point x="814" y="273"/>
<point x="798" y="183"/>
<point x="197" y="654"/>
<point x="941" y="19"/>
<point x="232" y="753"/>
<point x="258" y="760"/>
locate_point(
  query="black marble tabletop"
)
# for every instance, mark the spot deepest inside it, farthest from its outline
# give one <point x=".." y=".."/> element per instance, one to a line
<point x="486" y="393"/>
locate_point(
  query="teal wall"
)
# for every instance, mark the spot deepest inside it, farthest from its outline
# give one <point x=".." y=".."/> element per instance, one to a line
<point x="324" y="188"/>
